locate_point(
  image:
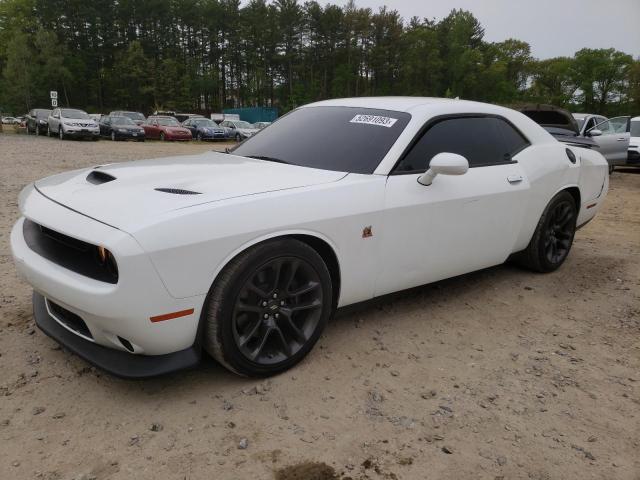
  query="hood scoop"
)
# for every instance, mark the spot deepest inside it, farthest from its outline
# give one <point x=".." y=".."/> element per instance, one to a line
<point x="98" y="178"/>
<point x="177" y="191"/>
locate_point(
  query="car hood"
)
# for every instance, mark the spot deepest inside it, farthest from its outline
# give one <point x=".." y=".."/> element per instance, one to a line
<point x="125" y="195"/>
<point x="249" y="131"/>
<point x="175" y="129"/>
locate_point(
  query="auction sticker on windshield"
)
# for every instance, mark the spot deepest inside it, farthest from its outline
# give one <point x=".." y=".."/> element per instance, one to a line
<point x="374" y="120"/>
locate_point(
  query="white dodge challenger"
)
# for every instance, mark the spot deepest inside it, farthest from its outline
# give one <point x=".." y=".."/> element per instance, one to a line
<point x="138" y="266"/>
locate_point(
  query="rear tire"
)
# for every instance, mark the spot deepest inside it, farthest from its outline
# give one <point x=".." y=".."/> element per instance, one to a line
<point x="553" y="237"/>
<point x="267" y="308"/>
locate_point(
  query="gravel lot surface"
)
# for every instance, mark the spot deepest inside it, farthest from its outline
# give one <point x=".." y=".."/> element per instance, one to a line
<point x="498" y="374"/>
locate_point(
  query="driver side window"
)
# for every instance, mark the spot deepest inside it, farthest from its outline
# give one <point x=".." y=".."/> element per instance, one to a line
<point x="606" y="128"/>
<point x="483" y="141"/>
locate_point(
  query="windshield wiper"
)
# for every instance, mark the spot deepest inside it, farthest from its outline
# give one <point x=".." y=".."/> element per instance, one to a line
<point x="268" y="159"/>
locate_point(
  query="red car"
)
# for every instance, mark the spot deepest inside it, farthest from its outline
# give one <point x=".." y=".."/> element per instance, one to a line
<point x="165" y="128"/>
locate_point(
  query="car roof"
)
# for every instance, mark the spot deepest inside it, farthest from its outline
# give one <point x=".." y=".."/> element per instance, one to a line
<point x="635" y="119"/>
<point x="402" y="104"/>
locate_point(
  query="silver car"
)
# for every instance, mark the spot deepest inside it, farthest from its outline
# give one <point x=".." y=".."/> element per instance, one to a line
<point x="611" y="135"/>
<point x="72" y="123"/>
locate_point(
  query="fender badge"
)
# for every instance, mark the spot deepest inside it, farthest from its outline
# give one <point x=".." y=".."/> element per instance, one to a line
<point x="366" y="232"/>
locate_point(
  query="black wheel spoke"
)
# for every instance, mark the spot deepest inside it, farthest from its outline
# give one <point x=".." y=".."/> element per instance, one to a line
<point x="291" y="273"/>
<point x="254" y="329"/>
<point x="307" y="306"/>
<point x="263" y="341"/>
<point x="243" y="307"/>
<point x="309" y="287"/>
<point x="559" y="232"/>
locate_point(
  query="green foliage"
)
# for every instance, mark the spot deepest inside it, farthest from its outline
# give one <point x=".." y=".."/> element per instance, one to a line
<point x="206" y="55"/>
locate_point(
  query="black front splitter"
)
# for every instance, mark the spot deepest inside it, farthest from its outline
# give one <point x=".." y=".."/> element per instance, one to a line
<point x="116" y="362"/>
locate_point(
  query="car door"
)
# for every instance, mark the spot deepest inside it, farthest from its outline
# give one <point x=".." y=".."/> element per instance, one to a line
<point x="613" y="144"/>
<point x="460" y="223"/>
<point x="105" y="126"/>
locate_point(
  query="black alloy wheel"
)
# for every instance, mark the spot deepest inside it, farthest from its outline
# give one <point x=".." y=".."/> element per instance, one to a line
<point x="268" y="308"/>
<point x="560" y="231"/>
<point x="199" y="136"/>
<point x="238" y="137"/>
<point x="277" y="310"/>
<point x="553" y="237"/>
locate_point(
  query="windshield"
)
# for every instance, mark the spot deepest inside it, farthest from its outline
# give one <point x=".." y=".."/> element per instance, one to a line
<point x="204" y="122"/>
<point x="343" y="139"/>
<point x="133" y="115"/>
<point x="635" y="128"/>
<point x="122" y="121"/>
<point x="42" y="113"/>
<point x="74" y="114"/>
<point x="168" y="122"/>
<point x="243" y="125"/>
<point x="580" y="122"/>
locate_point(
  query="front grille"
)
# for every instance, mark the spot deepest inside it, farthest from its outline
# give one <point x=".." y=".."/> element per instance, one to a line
<point x="69" y="319"/>
<point x="68" y="252"/>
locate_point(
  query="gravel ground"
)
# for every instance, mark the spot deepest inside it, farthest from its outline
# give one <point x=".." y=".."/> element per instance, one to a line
<point x="498" y="374"/>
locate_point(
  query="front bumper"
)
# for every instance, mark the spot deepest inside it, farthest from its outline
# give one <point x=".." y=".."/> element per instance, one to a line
<point x="81" y="132"/>
<point x="116" y="362"/>
<point x="111" y="312"/>
<point x="130" y="134"/>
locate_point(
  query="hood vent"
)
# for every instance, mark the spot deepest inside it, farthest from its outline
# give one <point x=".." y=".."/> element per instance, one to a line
<point x="98" y="178"/>
<point x="177" y="191"/>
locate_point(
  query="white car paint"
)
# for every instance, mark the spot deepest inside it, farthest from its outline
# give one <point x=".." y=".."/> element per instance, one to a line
<point x="170" y="248"/>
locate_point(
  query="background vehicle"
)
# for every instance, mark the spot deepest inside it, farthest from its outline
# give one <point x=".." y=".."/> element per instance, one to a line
<point x="37" y="121"/>
<point x="72" y="123"/>
<point x="204" y="129"/>
<point x="633" y="157"/>
<point x="581" y="130"/>
<point x="9" y="120"/>
<point x="238" y="130"/>
<point x="613" y="137"/>
<point x="165" y="128"/>
<point x="182" y="117"/>
<point x="262" y="244"/>
<point x="261" y="125"/>
<point x="121" y="128"/>
<point x="137" y="117"/>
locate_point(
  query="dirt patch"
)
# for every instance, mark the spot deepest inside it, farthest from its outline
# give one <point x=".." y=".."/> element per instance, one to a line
<point x="502" y="373"/>
<point x="307" y="471"/>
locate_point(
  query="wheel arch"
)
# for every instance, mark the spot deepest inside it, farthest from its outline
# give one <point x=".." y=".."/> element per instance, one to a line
<point x="319" y="242"/>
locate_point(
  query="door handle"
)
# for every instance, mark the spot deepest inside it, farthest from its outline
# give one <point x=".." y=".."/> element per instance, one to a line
<point x="622" y="139"/>
<point x="514" y="178"/>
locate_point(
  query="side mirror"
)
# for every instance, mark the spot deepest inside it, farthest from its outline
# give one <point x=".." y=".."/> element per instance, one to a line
<point x="444" y="163"/>
<point x="594" y="132"/>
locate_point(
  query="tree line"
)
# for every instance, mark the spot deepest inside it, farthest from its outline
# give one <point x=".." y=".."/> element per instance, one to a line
<point x="206" y="55"/>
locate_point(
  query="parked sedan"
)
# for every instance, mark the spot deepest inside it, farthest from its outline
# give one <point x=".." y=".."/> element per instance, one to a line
<point x="238" y="129"/>
<point x="72" y="123"/>
<point x="138" y="266"/>
<point x="165" y="128"/>
<point x="204" y="129"/>
<point x="261" y="125"/>
<point x="137" y="117"/>
<point x="37" y="121"/>
<point x="9" y="120"/>
<point x="121" y="128"/>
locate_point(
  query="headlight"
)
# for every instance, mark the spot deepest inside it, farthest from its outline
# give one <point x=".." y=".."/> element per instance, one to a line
<point x="42" y="122"/>
<point x="107" y="260"/>
<point x="122" y="130"/>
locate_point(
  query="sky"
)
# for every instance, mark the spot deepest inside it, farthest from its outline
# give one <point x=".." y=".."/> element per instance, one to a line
<point x="553" y="28"/>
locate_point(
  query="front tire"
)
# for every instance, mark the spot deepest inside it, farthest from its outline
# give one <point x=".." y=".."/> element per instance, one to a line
<point x="61" y="133"/>
<point x="113" y="136"/>
<point x="267" y="308"/>
<point x="553" y="237"/>
<point x="238" y="137"/>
